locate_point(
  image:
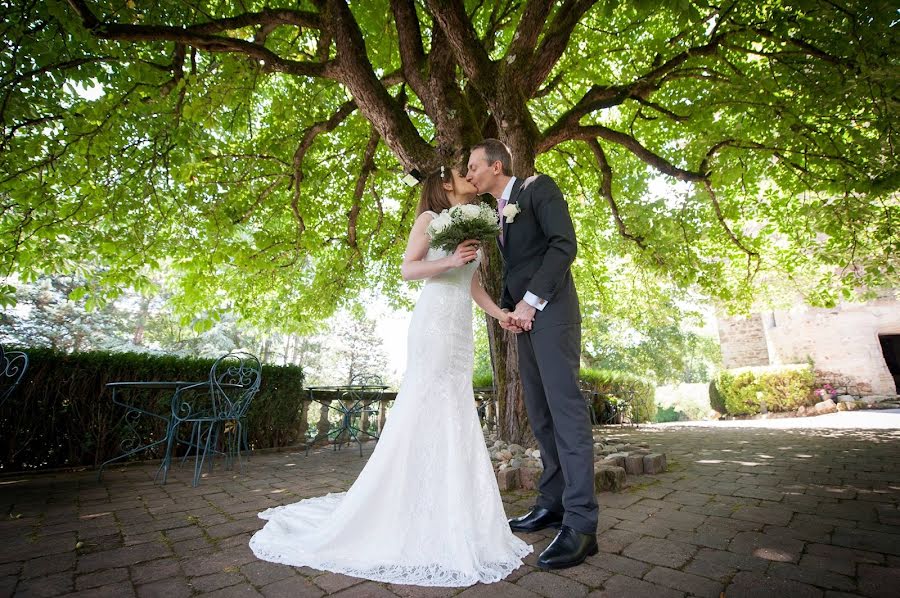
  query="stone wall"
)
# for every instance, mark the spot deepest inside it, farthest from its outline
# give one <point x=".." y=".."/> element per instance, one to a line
<point x="743" y="341"/>
<point x="842" y="341"/>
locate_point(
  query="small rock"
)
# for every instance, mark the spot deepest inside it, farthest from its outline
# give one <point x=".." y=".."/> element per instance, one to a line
<point x="842" y="406"/>
<point x="618" y="457"/>
<point x="655" y="463"/>
<point x="536" y="454"/>
<point x="530" y="477"/>
<point x="826" y="406"/>
<point x="515" y="462"/>
<point x="634" y="464"/>
<point x="846" y="399"/>
<point x="506" y="455"/>
<point x="801" y="411"/>
<point x="516" y="449"/>
<point x="508" y="479"/>
<point x="503" y="466"/>
<point x="611" y="479"/>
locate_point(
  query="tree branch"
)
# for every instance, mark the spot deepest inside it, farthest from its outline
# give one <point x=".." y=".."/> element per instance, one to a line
<point x="409" y="37"/>
<point x="555" y="42"/>
<point x="380" y="109"/>
<point x="751" y="255"/>
<point x="305" y="143"/>
<point x="450" y="16"/>
<point x="626" y="141"/>
<point x="368" y="166"/>
<point x="196" y="37"/>
<point x="606" y="191"/>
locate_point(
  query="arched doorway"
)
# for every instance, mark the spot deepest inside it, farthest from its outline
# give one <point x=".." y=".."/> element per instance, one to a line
<point x="890" y="347"/>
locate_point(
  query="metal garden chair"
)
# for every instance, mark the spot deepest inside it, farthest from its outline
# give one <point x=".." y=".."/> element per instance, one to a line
<point x="216" y="410"/>
<point x="13" y="365"/>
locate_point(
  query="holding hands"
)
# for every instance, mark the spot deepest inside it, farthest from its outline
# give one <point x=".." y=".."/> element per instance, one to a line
<point x="519" y="320"/>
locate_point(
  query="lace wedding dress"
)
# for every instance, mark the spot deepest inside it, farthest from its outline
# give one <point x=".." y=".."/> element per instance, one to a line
<point x="425" y="510"/>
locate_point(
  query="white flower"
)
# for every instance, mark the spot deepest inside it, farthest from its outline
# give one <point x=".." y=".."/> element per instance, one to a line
<point x="470" y="211"/>
<point x="510" y="212"/>
<point x="440" y="222"/>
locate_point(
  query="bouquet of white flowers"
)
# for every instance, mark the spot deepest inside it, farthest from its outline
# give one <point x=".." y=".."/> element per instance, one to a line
<point x="459" y="223"/>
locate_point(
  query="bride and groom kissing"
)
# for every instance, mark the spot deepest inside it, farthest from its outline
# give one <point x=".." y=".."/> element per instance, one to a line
<point x="426" y="510"/>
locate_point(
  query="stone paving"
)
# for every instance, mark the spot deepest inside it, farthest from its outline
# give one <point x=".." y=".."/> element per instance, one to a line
<point x="742" y="511"/>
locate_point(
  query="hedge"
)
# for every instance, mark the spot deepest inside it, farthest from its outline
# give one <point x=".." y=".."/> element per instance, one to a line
<point x="63" y="416"/>
<point x="780" y="388"/>
<point x="612" y="386"/>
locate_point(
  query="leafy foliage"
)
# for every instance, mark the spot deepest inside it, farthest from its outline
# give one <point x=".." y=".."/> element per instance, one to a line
<point x="615" y="386"/>
<point x="257" y="181"/>
<point x="779" y="388"/>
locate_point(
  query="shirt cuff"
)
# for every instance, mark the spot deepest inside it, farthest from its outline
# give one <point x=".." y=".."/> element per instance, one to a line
<point x="534" y="301"/>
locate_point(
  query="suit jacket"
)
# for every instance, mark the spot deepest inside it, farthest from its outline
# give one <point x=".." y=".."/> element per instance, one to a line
<point x="538" y="250"/>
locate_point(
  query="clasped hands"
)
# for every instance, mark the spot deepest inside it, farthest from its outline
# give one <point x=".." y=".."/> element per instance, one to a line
<point x="519" y="320"/>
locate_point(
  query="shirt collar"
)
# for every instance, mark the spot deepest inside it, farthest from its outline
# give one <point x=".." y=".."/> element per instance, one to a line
<point x="507" y="191"/>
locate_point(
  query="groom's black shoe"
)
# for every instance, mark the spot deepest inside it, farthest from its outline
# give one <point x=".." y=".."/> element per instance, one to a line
<point x="536" y="519"/>
<point x="568" y="548"/>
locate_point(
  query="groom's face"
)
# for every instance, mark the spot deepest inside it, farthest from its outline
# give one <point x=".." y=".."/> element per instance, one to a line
<point x="480" y="173"/>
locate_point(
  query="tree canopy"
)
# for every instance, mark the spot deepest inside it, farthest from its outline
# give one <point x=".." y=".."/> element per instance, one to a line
<point x="256" y="147"/>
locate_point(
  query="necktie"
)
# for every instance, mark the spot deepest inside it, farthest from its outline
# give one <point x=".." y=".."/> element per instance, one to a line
<point x="501" y="203"/>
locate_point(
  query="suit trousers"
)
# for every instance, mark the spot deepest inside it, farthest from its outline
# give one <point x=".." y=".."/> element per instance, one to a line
<point x="549" y="362"/>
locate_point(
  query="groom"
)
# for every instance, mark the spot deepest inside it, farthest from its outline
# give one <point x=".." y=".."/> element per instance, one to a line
<point x="538" y="246"/>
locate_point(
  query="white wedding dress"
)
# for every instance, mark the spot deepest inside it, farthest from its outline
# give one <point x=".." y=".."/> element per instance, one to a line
<point x="425" y="510"/>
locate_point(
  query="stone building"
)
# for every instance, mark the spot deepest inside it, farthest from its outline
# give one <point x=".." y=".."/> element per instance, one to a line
<point x="854" y="346"/>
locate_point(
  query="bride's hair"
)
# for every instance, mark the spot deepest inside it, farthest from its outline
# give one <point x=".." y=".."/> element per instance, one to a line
<point x="433" y="197"/>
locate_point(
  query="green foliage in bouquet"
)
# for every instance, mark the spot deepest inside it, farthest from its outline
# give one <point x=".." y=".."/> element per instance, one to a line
<point x="460" y="223"/>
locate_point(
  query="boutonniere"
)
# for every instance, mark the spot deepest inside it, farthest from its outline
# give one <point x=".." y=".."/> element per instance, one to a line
<point x="510" y="211"/>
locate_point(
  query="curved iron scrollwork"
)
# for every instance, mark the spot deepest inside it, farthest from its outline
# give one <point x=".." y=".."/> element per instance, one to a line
<point x="13" y="365"/>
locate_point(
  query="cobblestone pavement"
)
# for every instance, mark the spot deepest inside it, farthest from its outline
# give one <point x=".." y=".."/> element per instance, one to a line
<point x="743" y="510"/>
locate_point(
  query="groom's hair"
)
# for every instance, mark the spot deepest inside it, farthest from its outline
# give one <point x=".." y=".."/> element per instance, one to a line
<point x="496" y="151"/>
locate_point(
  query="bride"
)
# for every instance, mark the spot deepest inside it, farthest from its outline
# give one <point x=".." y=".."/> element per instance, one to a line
<point x="425" y="510"/>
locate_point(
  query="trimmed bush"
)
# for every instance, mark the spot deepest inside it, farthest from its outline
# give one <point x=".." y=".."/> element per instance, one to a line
<point x="715" y="399"/>
<point x="483" y="380"/>
<point x="614" y="386"/>
<point x="63" y="416"/>
<point x="611" y="386"/>
<point x="783" y="388"/>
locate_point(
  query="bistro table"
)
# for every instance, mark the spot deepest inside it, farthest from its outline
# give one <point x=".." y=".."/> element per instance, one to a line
<point x="134" y="412"/>
<point x="350" y="401"/>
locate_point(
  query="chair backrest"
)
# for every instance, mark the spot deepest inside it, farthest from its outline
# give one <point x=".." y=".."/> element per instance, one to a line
<point x="12" y="369"/>
<point x="234" y="380"/>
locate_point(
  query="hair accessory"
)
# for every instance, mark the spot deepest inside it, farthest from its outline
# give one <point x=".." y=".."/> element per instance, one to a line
<point x="442" y="171"/>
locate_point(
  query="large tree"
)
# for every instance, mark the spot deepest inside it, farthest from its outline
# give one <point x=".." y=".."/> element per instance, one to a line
<point x="256" y="146"/>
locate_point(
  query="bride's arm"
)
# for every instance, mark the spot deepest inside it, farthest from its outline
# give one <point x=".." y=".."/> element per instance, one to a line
<point x="414" y="265"/>
<point x="484" y="300"/>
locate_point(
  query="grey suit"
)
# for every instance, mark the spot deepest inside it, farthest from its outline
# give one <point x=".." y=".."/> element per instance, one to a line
<point x="539" y="248"/>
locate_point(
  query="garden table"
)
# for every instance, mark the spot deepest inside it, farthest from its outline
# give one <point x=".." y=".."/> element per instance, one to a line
<point x="350" y="401"/>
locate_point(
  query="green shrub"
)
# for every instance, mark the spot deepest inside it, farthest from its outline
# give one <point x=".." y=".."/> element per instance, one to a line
<point x="782" y="389"/>
<point x="62" y="414"/>
<point x="715" y="398"/>
<point x="483" y="379"/>
<point x="613" y="386"/>
<point x="739" y="393"/>
<point x="668" y="414"/>
<point x="788" y="389"/>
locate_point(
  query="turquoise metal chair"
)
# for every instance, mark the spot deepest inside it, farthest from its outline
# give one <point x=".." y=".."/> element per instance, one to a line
<point x="216" y="411"/>
<point x="13" y="365"/>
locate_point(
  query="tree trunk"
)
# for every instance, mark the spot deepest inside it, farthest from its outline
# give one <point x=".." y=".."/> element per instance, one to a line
<point x="512" y="421"/>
